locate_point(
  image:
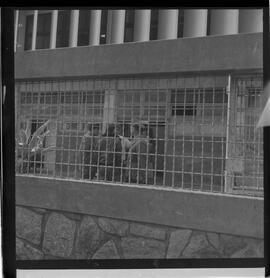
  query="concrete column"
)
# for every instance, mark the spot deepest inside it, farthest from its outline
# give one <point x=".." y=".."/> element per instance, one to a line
<point x="16" y="29"/>
<point x="34" y="33"/>
<point x="167" y="24"/>
<point x="250" y="21"/>
<point x="53" y="29"/>
<point x="142" y="20"/>
<point x="116" y="24"/>
<point x="224" y="22"/>
<point x="95" y="21"/>
<point x="109" y="109"/>
<point x="195" y="23"/>
<point x="74" y="25"/>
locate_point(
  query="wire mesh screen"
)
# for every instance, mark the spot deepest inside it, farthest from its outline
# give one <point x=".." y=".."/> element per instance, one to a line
<point x="245" y="142"/>
<point x="166" y="132"/>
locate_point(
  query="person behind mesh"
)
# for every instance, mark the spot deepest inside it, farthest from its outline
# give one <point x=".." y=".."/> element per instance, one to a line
<point x="110" y="153"/>
<point x="122" y="133"/>
<point x="88" y="150"/>
<point x="138" y="155"/>
<point x="148" y="133"/>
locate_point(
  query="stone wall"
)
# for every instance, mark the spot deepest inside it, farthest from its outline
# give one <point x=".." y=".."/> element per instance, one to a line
<point x="49" y="234"/>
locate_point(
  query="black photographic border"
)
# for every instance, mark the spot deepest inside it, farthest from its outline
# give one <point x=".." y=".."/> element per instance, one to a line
<point x="8" y="179"/>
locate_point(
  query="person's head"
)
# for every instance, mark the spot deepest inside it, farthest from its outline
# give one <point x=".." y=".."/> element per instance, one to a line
<point x="96" y="130"/>
<point x="135" y="130"/>
<point x="144" y="131"/>
<point x="89" y="128"/>
<point x="110" y="131"/>
<point x="119" y="130"/>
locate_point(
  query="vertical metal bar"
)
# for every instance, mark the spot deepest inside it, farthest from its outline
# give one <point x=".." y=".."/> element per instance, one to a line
<point x="70" y="118"/>
<point x="244" y="105"/>
<point x="228" y="180"/>
<point x="222" y="141"/>
<point x="78" y="123"/>
<point x="63" y="129"/>
<point x="156" y="131"/>
<point x="112" y="110"/>
<point x="147" y="111"/>
<point x="194" y="107"/>
<point x="184" y="136"/>
<point x="202" y="139"/>
<point x="173" y="155"/>
<point x="166" y="137"/>
<point x="212" y="135"/>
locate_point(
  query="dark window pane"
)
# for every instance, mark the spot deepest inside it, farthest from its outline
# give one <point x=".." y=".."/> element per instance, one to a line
<point x="254" y="97"/>
<point x="181" y="110"/>
<point x="129" y="26"/>
<point x="184" y="96"/>
<point x="154" y="25"/>
<point x="180" y="24"/>
<point x="62" y="37"/>
<point x="184" y="102"/>
<point x="208" y="22"/>
<point x="28" y="32"/>
<point x="43" y="31"/>
<point x="103" y="27"/>
<point x="217" y="95"/>
<point x="84" y="27"/>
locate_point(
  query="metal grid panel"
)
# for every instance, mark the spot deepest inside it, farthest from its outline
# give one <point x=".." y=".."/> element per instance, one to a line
<point x="245" y="142"/>
<point x="166" y="132"/>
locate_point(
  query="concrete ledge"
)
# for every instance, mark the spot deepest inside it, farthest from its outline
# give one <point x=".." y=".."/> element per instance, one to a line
<point x="218" y="213"/>
<point x="211" y="53"/>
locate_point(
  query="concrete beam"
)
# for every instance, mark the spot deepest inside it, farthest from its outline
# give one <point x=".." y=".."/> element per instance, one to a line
<point x="217" y="53"/>
<point x="228" y="214"/>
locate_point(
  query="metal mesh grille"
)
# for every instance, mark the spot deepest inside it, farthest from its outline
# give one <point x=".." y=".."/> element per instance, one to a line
<point x="168" y="132"/>
<point x="245" y="142"/>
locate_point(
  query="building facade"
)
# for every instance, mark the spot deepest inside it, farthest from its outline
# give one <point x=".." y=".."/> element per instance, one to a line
<point x="190" y="78"/>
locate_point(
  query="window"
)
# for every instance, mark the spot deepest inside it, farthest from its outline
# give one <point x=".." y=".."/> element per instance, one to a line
<point x="184" y="102"/>
<point x="202" y="102"/>
<point x="154" y="25"/>
<point x="43" y="31"/>
<point x="103" y="27"/>
<point x="63" y="26"/>
<point x="129" y="25"/>
<point x="84" y="27"/>
<point x="254" y="100"/>
<point x="28" y="32"/>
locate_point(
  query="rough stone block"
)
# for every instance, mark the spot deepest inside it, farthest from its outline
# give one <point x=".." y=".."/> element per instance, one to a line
<point x="28" y="225"/>
<point x="113" y="226"/>
<point x="199" y="247"/>
<point x="177" y="242"/>
<point x="107" y="251"/>
<point x="141" y="248"/>
<point x="230" y="244"/>
<point x="147" y="231"/>
<point x="253" y="249"/>
<point x="213" y="238"/>
<point x="27" y="252"/>
<point x="59" y="235"/>
<point x="73" y="216"/>
<point x="40" y="210"/>
<point x="88" y="239"/>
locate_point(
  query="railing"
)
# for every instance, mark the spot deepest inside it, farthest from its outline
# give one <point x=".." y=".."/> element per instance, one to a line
<point x="168" y="132"/>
